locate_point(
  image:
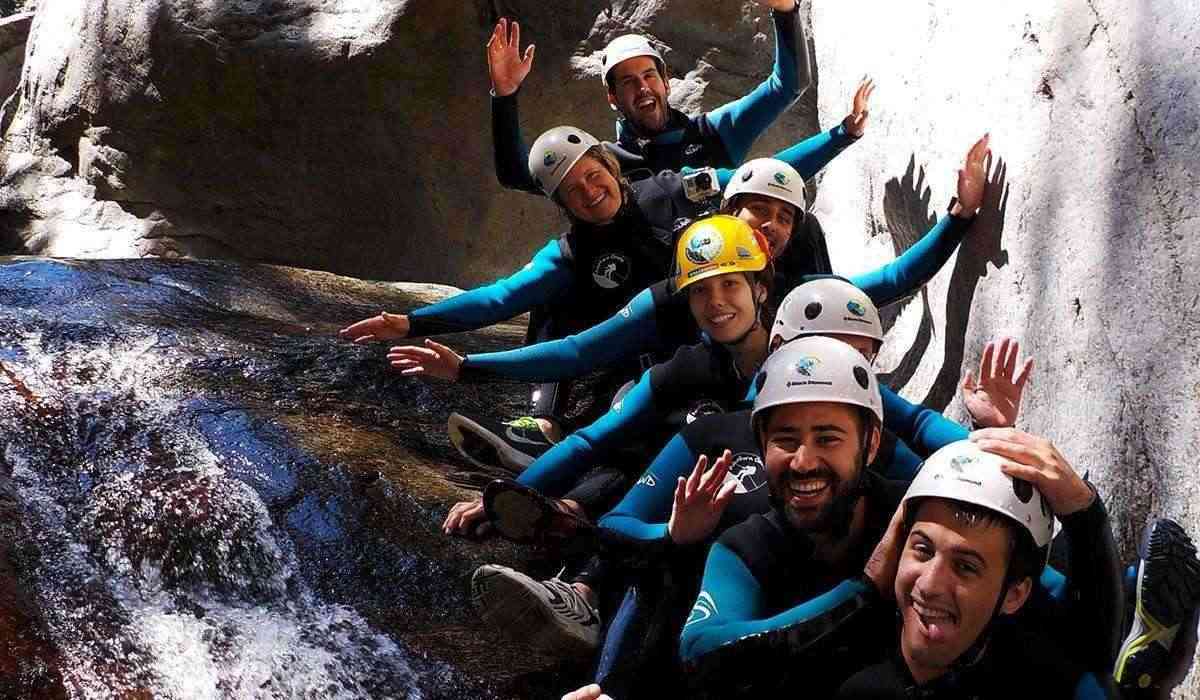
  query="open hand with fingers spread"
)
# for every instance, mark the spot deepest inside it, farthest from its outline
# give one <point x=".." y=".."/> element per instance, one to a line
<point x="855" y="122"/>
<point x="972" y="179"/>
<point x="1036" y="460"/>
<point x="385" y="326"/>
<point x="433" y="360"/>
<point x="995" y="399"/>
<point x="700" y="500"/>
<point x="505" y="64"/>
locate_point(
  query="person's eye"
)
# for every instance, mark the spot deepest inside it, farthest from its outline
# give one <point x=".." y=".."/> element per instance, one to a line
<point x="967" y="569"/>
<point x="922" y="551"/>
<point x="829" y="440"/>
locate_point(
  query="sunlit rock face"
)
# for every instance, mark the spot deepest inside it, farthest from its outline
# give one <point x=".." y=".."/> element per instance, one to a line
<point x="1089" y="254"/>
<point x="344" y="135"/>
<point x="205" y="493"/>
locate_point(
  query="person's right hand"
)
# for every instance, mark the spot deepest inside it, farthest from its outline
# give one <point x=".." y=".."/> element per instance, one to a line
<point x="700" y="500"/>
<point x="467" y="518"/>
<point x="385" y="326"/>
<point x="587" y="692"/>
<point x="507" y="68"/>
<point x="855" y="122"/>
<point x="433" y="360"/>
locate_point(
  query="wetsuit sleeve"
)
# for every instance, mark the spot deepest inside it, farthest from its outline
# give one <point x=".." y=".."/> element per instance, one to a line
<point x="643" y="514"/>
<point x="560" y="467"/>
<point x="1095" y="595"/>
<point x="740" y="122"/>
<point x="512" y="155"/>
<point x="924" y="430"/>
<point x="543" y="278"/>
<point x="809" y="156"/>
<point x="904" y="464"/>
<point x="629" y="331"/>
<point x="905" y="275"/>
<point x="728" y="613"/>
<point x="1091" y="688"/>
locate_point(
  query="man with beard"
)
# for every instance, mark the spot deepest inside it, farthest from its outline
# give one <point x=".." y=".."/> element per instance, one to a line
<point x="818" y="417"/>
<point x="651" y="135"/>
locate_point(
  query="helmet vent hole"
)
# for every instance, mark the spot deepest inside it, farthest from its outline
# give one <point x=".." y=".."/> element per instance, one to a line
<point x="1023" y="489"/>
<point x="812" y="310"/>
<point x="860" y="376"/>
<point x="573" y="138"/>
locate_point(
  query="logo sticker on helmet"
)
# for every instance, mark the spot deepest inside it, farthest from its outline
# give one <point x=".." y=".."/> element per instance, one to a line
<point x="806" y="364"/>
<point x="856" y="308"/>
<point x="781" y="178"/>
<point x="550" y="158"/>
<point x="744" y="254"/>
<point x="704" y="247"/>
<point x="961" y="461"/>
<point x="611" y="270"/>
<point x="812" y="310"/>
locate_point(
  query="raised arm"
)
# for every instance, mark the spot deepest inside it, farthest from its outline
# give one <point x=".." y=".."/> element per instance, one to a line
<point x="739" y="123"/>
<point x="905" y="275"/>
<point x="508" y="69"/>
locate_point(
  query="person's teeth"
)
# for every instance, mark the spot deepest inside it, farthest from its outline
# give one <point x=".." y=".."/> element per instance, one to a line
<point x="808" y="485"/>
<point x="931" y="614"/>
<point x="722" y="318"/>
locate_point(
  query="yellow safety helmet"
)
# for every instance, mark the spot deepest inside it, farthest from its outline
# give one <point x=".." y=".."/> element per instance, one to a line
<point x="717" y="245"/>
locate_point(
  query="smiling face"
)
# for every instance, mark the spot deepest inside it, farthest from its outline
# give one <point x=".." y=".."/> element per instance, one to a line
<point x="590" y="192"/>
<point x="773" y="218"/>
<point x="951" y="574"/>
<point x="813" y="455"/>
<point x="639" y="91"/>
<point x="723" y="306"/>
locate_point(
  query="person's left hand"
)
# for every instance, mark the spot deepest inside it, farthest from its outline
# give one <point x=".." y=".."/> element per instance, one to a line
<point x="855" y="122"/>
<point x="778" y="5"/>
<point x="466" y="519"/>
<point x="434" y="360"/>
<point x="1036" y="460"/>
<point x="995" y="400"/>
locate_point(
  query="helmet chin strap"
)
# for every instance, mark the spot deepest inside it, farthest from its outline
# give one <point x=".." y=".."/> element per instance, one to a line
<point x="758" y="306"/>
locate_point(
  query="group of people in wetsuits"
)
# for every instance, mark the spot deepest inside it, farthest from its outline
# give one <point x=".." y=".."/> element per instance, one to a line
<point x="743" y="508"/>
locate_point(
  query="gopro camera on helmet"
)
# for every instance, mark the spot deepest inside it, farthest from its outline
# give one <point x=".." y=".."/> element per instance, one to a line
<point x="701" y="184"/>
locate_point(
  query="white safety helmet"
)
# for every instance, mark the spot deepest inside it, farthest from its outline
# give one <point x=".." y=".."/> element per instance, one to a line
<point x="963" y="472"/>
<point x="826" y="306"/>
<point x="768" y="177"/>
<point x="555" y="152"/>
<point x="625" y="47"/>
<point x="816" y="369"/>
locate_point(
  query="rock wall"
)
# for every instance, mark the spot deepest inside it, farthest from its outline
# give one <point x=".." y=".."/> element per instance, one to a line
<point x="343" y="136"/>
<point x="1088" y="252"/>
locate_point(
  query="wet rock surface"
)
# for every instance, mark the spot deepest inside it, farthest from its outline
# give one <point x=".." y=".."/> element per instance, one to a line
<point x="217" y="497"/>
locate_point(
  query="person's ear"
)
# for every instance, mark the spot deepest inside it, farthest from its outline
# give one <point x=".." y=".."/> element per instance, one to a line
<point x="873" y="443"/>
<point x="1016" y="595"/>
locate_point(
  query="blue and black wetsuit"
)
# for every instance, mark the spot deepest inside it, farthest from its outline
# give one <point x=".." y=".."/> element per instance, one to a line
<point x="765" y="605"/>
<point x="656" y="319"/>
<point x="1015" y="664"/>
<point x="720" y="138"/>
<point x="646" y="626"/>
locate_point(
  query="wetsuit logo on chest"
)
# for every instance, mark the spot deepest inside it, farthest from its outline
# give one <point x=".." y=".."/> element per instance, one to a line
<point x="611" y="270"/>
<point x="703" y="407"/>
<point x="692" y="150"/>
<point x="747" y="471"/>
